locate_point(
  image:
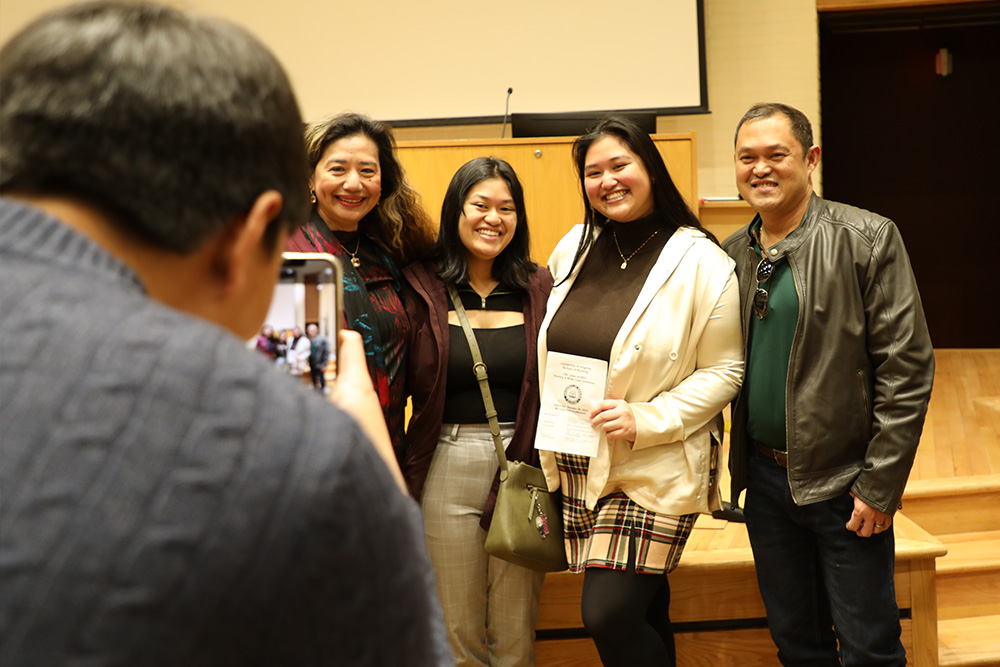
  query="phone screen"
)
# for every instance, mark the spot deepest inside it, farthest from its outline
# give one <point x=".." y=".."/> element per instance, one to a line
<point x="305" y="314"/>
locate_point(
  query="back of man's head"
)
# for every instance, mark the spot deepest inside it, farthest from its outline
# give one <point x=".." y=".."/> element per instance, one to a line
<point x="171" y="124"/>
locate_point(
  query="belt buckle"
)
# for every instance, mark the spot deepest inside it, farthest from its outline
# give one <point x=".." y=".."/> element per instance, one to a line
<point x="778" y="457"/>
<point x="773" y="454"/>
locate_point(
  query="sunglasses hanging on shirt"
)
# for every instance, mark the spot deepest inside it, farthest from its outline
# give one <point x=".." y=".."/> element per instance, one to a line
<point x="764" y="270"/>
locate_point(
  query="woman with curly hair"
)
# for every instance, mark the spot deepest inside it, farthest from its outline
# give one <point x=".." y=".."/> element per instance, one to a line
<point x="366" y="213"/>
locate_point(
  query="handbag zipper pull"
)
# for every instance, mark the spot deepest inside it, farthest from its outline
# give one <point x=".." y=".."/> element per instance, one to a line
<point x="541" y="521"/>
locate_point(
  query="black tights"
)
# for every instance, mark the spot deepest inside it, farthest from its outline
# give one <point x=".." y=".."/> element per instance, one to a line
<point x="627" y="615"/>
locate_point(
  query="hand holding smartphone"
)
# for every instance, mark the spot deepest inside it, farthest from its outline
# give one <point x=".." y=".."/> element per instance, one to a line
<point x="305" y="316"/>
<point x="308" y="298"/>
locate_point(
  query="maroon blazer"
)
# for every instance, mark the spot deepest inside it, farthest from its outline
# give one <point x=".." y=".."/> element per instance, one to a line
<point x="425" y="299"/>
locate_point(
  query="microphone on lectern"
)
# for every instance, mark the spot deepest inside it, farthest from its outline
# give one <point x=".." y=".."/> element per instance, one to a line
<point x="506" y="113"/>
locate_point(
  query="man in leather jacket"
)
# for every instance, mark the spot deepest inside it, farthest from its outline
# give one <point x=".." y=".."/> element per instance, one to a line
<point x="839" y="367"/>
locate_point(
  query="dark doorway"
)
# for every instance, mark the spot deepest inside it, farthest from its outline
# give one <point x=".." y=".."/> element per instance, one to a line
<point x="922" y="149"/>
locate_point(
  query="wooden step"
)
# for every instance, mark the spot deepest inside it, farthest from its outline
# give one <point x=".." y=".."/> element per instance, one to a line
<point x="968" y="577"/>
<point x="972" y="642"/>
<point x="727" y="648"/>
<point x="716" y="607"/>
<point x="969" y="642"/>
<point x="954" y="505"/>
<point x="970" y="551"/>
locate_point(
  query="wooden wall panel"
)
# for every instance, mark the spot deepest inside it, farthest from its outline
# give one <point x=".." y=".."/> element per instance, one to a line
<point x="545" y="169"/>
<point x="722" y="218"/>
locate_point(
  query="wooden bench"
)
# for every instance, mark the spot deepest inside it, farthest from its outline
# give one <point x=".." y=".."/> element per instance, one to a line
<point x="716" y="607"/>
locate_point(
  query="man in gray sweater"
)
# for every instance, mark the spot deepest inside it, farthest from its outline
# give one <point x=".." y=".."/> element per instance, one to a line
<point x="167" y="497"/>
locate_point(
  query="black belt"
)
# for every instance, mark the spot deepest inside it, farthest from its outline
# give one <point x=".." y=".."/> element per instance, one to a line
<point x="776" y="455"/>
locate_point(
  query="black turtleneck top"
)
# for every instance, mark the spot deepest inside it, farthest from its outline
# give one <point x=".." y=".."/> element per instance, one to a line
<point x="600" y="299"/>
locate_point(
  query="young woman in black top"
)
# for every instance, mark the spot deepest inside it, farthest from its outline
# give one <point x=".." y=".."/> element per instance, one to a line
<point x="490" y="605"/>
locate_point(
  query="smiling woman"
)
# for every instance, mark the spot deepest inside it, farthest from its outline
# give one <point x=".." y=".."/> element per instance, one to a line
<point x="347" y="183"/>
<point x="486" y="226"/>
<point x="451" y="462"/>
<point x="618" y="185"/>
<point x="366" y="213"/>
<point x="658" y="301"/>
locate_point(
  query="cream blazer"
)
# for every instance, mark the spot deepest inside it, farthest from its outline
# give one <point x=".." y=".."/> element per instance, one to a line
<point x="677" y="360"/>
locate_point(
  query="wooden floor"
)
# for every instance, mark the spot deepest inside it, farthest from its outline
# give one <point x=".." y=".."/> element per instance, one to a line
<point x="962" y="433"/>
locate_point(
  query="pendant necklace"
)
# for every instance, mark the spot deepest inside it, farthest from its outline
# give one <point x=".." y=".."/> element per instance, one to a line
<point x="622" y="255"/>
<point x="355" y="261"/>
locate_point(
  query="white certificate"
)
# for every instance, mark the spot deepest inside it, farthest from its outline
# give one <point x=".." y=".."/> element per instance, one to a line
<point x="572" y="386"/>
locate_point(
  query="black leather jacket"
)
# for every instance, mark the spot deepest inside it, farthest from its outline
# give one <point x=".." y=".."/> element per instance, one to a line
<point x="861" y="364"/>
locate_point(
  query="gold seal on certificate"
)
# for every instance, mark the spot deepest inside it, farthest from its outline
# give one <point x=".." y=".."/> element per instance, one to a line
<point x="571" y="387"/>
<point x="573" y="394"/>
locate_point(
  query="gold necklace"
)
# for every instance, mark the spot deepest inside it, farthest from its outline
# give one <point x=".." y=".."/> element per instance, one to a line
<point x="622" y="255"/>
<point x="355" y="262"/>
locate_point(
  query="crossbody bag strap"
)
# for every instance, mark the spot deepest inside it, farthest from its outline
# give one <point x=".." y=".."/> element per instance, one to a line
<point x="479" y="370"/>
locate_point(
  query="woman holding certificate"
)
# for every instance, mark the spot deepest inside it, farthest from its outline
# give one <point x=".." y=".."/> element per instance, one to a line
<point x="450" y="464"/>
<point x="641" y="287"/>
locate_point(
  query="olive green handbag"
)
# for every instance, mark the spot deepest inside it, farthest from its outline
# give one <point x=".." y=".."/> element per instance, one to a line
<point x="527" y="520"/>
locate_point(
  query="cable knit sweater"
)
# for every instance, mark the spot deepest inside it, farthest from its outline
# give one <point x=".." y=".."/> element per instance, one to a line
<point x="169" y="499"/>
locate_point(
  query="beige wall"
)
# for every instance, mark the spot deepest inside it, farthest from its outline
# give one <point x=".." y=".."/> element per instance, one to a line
<point x="15" y="13"/>
<point x="755" y="52"/>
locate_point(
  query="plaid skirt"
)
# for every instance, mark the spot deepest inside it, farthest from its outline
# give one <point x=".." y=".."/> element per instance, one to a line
<point x="601" y="538"/>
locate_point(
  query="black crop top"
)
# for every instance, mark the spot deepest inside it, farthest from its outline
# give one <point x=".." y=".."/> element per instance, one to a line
<point x="504" y="352"/>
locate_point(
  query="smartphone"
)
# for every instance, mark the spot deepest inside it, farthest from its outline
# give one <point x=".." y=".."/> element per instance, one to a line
<point x="309" y="291"/>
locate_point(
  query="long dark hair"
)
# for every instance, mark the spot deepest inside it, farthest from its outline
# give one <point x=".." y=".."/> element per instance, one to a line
<point x="669" y="206"/>
<point x="513" y="266"/>
<point x="399" y="222"/>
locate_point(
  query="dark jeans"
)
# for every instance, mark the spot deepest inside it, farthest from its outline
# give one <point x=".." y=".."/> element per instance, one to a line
<point x="821" y="582"/>
<point x="318" y="375"/>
